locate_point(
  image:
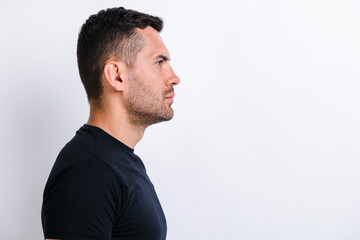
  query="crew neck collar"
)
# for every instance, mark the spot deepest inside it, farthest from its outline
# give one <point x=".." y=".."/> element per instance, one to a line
<point x="103" y="132"/>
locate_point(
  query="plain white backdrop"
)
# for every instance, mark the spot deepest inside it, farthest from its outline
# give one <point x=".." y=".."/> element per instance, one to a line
<point x="265" y="140"/>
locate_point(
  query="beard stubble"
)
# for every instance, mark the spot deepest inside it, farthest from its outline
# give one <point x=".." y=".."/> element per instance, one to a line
<point x="146" y="107"/>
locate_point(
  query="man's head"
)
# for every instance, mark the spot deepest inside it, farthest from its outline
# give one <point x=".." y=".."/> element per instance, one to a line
<point x="124" y="63"/>
<point x="110" y="34"/>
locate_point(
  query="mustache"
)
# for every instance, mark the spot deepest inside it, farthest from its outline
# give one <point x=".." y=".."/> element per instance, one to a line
<point x="170" y="90"/>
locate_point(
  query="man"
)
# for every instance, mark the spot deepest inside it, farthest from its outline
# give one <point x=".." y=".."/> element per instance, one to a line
<point x="98" y="188"/>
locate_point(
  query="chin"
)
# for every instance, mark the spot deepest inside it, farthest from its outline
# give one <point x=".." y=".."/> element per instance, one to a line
<point x="163" y="117"/>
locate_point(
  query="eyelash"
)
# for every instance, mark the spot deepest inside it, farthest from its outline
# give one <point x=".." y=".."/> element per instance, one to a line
<point x="160" y="63"/>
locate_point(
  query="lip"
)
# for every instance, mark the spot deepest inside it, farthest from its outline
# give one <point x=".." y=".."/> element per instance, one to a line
<point x="170" y="97"/>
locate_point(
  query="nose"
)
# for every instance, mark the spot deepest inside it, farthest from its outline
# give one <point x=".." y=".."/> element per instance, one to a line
<point x="173" y="79"/>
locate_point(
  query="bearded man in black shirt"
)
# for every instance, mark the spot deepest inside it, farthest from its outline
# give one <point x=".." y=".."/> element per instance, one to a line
<point x="98" y="188"/>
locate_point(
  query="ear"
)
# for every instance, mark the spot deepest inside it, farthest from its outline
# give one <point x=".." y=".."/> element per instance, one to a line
<point x="114" y="72"/>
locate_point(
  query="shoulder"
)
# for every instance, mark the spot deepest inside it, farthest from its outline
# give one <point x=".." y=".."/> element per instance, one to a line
<point x="81" y="174"/>
<point x="78" y="155"/>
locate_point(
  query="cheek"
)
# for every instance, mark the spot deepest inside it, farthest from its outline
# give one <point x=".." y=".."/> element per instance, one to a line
<point x="150" y="82"/>
<point x="155" y="84"/>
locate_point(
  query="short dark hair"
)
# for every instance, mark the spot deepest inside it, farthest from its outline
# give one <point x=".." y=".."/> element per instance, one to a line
<point x="110" y="33"/>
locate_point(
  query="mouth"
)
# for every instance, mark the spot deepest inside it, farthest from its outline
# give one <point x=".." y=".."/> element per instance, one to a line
<point x="170" y="97"/>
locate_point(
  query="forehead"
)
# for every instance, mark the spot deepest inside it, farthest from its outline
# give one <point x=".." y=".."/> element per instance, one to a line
<point x="154" y="45"/>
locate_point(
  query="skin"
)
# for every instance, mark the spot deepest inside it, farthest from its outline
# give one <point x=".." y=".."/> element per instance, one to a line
<point x="134" y="98"/>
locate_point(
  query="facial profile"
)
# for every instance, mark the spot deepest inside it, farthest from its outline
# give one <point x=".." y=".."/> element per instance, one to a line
<point x="151" y="83"/>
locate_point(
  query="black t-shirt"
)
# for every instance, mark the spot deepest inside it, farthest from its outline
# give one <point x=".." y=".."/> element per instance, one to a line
<point x="99" y="189"/>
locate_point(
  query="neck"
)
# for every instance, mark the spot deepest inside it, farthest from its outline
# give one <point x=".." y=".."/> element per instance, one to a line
<point x="117" y="124"/>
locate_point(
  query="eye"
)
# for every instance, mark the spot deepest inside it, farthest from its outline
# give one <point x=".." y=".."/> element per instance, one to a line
<point x="159" y="63"/>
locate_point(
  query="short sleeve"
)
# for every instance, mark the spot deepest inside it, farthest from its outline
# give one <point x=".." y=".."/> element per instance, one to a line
<point x="81" y="201"/>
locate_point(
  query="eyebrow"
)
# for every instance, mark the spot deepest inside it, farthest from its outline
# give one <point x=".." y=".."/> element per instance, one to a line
<point x="165" y="58"/>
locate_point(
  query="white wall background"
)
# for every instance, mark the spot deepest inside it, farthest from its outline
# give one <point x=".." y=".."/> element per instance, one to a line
<point x="265" y="139"/>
